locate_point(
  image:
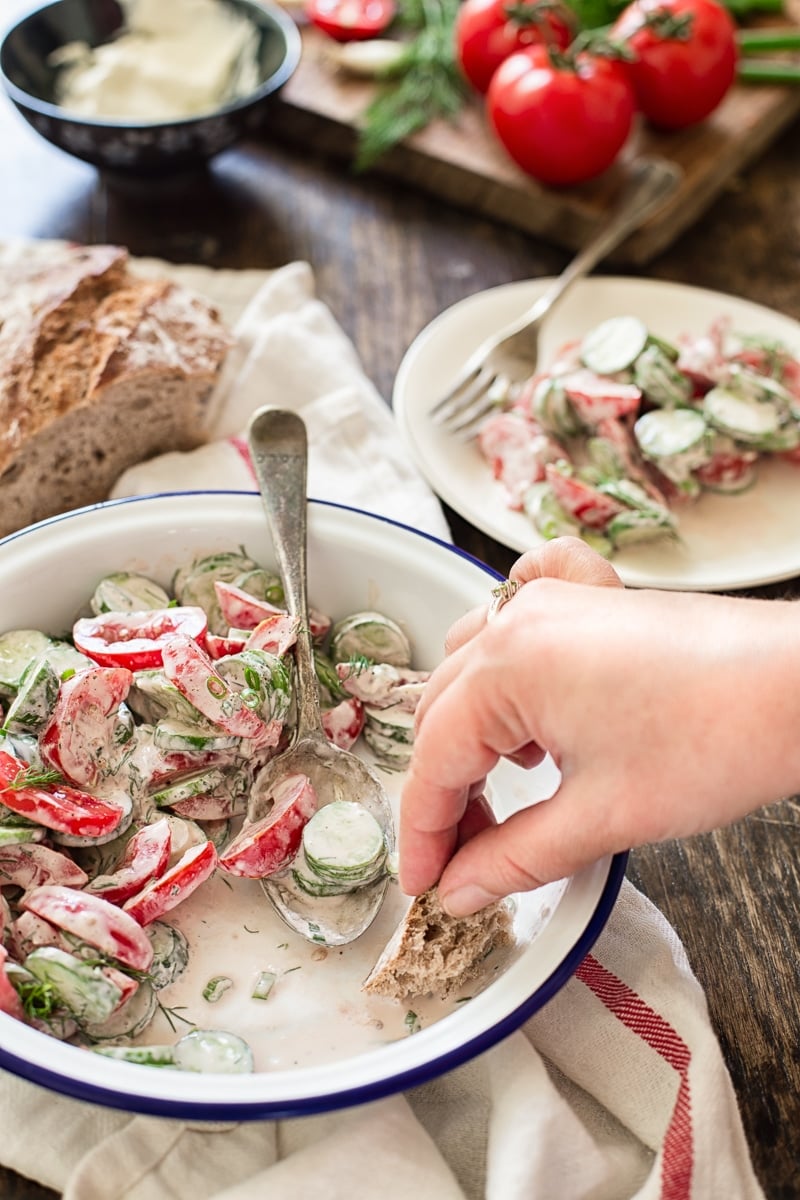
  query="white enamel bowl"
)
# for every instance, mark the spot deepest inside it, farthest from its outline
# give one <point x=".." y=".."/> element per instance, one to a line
<point x="355" y="561"/>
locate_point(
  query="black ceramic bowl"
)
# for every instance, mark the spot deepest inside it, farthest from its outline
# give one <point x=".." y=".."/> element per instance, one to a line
<point x="129" y="147"/>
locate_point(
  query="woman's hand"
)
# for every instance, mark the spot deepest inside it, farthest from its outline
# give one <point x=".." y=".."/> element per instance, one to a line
<point x="666" y="714"/>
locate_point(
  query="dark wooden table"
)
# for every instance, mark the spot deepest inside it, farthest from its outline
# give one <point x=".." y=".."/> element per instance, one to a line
<point x="387" y="260"/>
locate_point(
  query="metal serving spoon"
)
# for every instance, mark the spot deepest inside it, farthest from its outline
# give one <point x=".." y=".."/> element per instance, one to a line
<point x="279" y="451"/>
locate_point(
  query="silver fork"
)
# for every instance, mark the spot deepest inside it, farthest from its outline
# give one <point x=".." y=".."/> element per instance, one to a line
<point x="510" y="356"/>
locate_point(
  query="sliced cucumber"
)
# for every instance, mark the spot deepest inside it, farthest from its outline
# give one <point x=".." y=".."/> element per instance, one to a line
<point x="19" y="648"/>
<point x="387" y="750"/>
<point x="35" y="700"/>
<point x="131" y="1019"/>
<point x="371" y="635"/>
<point x="393" y="722"/>
<point x="547" y="515"/>
<point x="660" y="380"/>
<point x="743" y="418"/>
<point x="311" y="884"/>
<point x="201" y="783"/>
<point x="152" y="696"/>
<point x="126" y="592"/>
<point x="213" y="1051"/>
<point x="194" y="583"/>
<point x="143" y="1056"/>
<point x="344" y="844"/>
<point x="14" y="835"/>
<point x="173" y="735"/>
<point x="170" y="954"/>
<point x="639" y="525"/>
<point x="613" y="345"/>
<point x="83" y="989"/>
<point x="65" y="659"/>
<point x="264" y="585"/>
<point x="263" y="676"/>
<point x="677" y="440"/>
<point x="552" y="408"/>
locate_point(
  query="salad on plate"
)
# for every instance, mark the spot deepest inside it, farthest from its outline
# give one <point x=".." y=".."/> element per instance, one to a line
<point x="624" y="428"/>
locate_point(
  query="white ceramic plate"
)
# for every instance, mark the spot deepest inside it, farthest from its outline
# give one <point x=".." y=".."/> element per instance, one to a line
<point x="319" y="1042"/>
<point x="726" y="542"/>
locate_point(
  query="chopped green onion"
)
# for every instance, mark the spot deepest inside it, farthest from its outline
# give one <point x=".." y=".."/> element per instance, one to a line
<point x="265" y="981"/>
<point x="216" y="988"/>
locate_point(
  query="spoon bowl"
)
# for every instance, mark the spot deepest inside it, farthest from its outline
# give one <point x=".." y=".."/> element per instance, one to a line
<point x="279" y="450"/>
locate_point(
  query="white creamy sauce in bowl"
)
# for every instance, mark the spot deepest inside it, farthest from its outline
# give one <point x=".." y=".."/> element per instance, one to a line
<point x="172" y="61"/>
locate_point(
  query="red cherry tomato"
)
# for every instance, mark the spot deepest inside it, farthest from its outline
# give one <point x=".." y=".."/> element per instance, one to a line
<point x="488" y="31"/>
<point x="162" y="894"/>
<point x="678" y="80"/>
<point x="146" y="857"/>
<point x="561" y="123"/>
<point x="135" y="639"/>
<point x="54" y="805"/>
<point x="351" y="20"/>
<point x="264" y="846"/>
<point x="92" y="920"/>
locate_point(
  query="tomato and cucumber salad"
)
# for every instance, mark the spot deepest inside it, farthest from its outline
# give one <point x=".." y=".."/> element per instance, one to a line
<point x="127" y="755"/>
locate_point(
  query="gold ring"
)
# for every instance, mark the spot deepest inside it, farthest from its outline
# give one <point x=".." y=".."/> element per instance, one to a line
<point x="501" y="595"/>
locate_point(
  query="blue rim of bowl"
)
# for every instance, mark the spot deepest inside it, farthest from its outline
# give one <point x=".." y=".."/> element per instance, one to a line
<point x="281" y="21"/>
<point x="399" y="1081"/>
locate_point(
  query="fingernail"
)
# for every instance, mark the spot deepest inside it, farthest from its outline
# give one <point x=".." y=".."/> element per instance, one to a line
<point x="465" y="901"/>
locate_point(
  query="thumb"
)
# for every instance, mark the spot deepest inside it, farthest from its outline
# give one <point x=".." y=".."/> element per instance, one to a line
<point x="534" y="846"/>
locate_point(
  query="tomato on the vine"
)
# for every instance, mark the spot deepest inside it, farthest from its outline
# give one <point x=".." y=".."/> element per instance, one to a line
<point x="488" y="31"/>
<point x="351" y="20"/>
<point x="562" y="120"/>
<point x="685" y="57"/>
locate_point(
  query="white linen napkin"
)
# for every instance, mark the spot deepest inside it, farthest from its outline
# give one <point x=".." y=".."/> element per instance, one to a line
<point x="615" y="1090"/>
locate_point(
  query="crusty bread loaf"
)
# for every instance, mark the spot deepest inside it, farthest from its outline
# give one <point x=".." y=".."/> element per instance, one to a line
<point x="431" y="953"/>
<point x="99" y="369"/>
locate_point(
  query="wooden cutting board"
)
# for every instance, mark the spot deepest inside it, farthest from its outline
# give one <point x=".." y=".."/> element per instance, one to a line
<point x="462" y="163"/>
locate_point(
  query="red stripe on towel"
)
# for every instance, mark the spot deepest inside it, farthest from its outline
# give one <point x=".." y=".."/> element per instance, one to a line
<point x="631" y="1010"/>
<point x="241" y="446"/>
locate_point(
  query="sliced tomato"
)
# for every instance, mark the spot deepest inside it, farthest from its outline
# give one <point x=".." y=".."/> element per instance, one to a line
<point x="275" y="634"/>
<point x="145" y="858"/>
<point x="79" y="737"/>
<point x="219" y="645"/>
<point x="343" y="723"/>
<point x="193" y="673"/>
<point x="28" y="932"/>
<point x="94" y="921"/>
<point x="55" y="805"/>
<point x="244" y="612"/>
<point x="596" y="398"/>
<point x="31" y="866"/>
<point x="171" y="888"/>
<point x="351" y="20"/>
<point x="581" y="500"/>
<point x="9" y="1000"/>
<point x="127" y="985"/>
<point x="264" y="846"/>
<point x="135" y="639"/>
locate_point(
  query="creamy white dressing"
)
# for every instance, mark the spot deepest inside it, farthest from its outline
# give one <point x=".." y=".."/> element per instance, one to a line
<point x="172" y="61"/>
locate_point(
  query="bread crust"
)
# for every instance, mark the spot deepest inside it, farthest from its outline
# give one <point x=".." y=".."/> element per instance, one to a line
<point x="83" y="342"/>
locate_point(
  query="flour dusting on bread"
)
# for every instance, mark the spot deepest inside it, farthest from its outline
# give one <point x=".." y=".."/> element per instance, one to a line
<point x="432" y="953"/>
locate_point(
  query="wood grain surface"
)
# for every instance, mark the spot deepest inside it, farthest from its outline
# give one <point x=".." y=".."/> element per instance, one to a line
<point x="461" y="162"/>
<point x="388" y="258"/>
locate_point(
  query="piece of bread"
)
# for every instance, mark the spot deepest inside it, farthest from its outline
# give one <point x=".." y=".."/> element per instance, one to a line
<point x="99" y="370"/>
<point x="431" y="953"/>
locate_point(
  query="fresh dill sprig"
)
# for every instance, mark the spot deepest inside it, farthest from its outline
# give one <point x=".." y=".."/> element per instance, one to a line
<point x="422" y="84"/>
<point x="32" y="777"/>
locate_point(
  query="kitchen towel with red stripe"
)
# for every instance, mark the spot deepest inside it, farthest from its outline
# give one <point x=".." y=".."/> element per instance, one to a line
<point x="615" y="1090"/>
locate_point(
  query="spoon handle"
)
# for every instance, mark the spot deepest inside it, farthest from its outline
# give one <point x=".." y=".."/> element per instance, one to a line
<point x="279" y="452"/>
